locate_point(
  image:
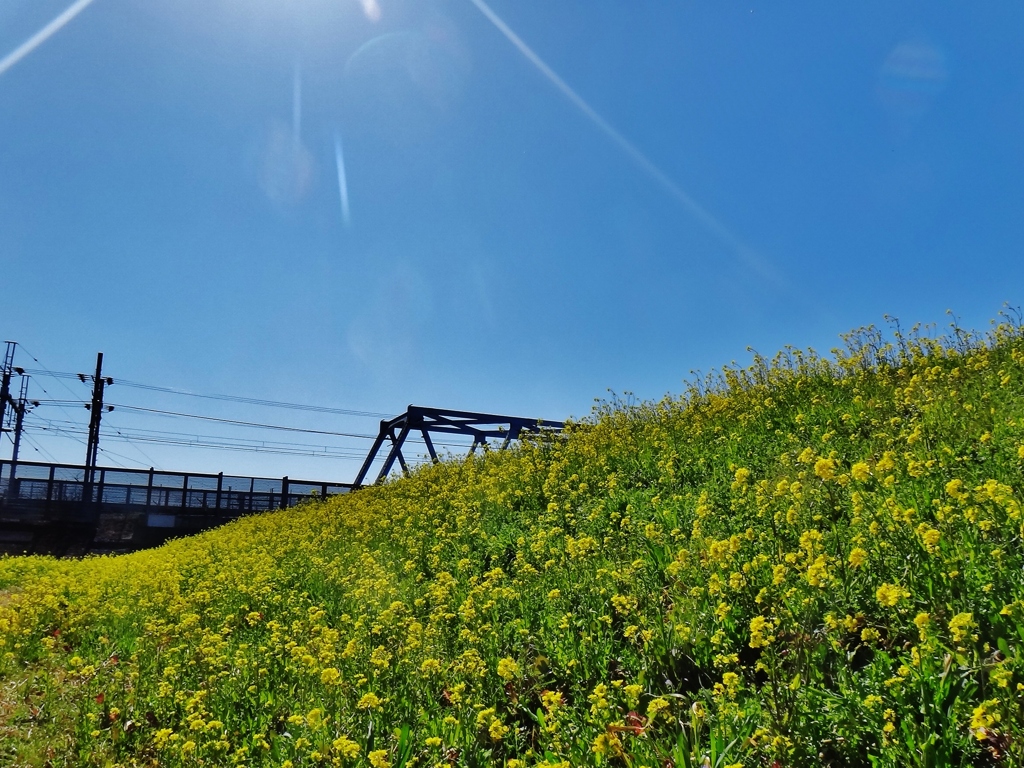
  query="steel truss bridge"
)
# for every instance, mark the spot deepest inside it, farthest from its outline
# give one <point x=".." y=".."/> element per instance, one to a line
<point x="120" y="509"/>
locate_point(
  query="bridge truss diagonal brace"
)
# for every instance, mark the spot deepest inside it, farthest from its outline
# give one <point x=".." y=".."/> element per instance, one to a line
<point x="439" y="421"/>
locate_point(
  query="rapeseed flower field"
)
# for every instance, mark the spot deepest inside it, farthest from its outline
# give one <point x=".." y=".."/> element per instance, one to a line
<point x="811" y="561"/>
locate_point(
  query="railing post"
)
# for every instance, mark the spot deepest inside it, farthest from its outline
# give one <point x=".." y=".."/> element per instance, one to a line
<point x="284" y="492"/>
<point x="184" y="491"/>
<point x="149" y="489"/>
<point x="220" y="486"/>
<point x="49" y="486"/>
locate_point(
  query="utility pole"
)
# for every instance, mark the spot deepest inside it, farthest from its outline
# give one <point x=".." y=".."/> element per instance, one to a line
<point x="20" y="409"/>
<point x="95" y="409"/>
<point x="5" y="381"/>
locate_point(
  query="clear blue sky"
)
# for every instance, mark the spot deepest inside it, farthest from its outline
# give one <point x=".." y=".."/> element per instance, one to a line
<point x="766" y="174"/>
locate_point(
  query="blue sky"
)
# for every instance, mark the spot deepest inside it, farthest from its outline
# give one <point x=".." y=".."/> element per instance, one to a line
<point x="169" y="194"/>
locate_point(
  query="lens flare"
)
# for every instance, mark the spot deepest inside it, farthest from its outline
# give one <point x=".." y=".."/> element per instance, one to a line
<point x="339" y="157"/>
<point x="743" y="253"/>
<point x="42" y="35"/>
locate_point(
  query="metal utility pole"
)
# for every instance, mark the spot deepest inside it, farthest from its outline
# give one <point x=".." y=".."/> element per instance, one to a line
<point x="20" y="408"/>
<point x="95" y="409"/>
<point x="5" y="381"/>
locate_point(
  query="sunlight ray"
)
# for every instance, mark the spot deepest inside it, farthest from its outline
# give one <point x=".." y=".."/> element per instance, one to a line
<point x="743" y="252"/>
<point x="42" y="35"/>
<point x="297" y="104"/>
<point x="339" y="156"/>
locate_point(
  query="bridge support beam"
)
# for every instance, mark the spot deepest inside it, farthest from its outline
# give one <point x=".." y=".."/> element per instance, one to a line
<point x="439" y="421"/>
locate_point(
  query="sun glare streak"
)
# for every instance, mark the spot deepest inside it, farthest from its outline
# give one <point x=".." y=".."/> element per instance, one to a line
<point x="339" y="157"/>
<point x="297" y="104"/>
<point x="42" y="35"/>
<point x="371" y="9"/>
<point x="743" y="252"/>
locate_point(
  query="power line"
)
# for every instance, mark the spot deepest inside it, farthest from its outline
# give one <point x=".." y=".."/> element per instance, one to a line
<point x="217" y="442"/>
<point x="218" y="419"/>
<point x="248" y="424"/>
<point x="197" y="441"/>
<point x="141" y="452"/>
<point x="47" y="372"/>
<point x="108" y="452"/>
<point x="38" y="448"/>
<point x="71" y="435"/>
<point x="228" y="398"/>
<point x="244" y="423"/>
<point x="59" y="376"/>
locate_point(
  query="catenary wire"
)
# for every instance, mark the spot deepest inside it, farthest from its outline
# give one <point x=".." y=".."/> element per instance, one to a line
<point x="59" y="379"/>
<point x="228" y="398"/>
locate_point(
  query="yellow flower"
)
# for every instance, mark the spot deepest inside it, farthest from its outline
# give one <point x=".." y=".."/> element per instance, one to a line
<point x="817" y="572"/>
<point x="929" y="536"/>
<point x="955" y="489"/>
<point x="633" y="692"/>
<point x="860" y="472"/>
<point x="984" y="718"/>
<point x="330" y="676"/>
<point x="315" y="718"/>
<point x="484" y="717"/>
<point x="508" y="669"/>
<point x="551" y="700"/>
<point x="369" y="701"/>
<point x="960" y="625"/>
<point x="655" y="706"/>
<point x="607" y="743"/>
<point x="1001" y="676"/>
<point x="497" y="730"/>
<point x="890" y="594"/>
<point x="825" y="468"/>
<point x="345" y="747"/>
<point x="858" y="557"/>
<point x="760" y="632"/>
<point x="922" y="620"/>
<point x="887" y="463"/>
<point x="379" y="758"/>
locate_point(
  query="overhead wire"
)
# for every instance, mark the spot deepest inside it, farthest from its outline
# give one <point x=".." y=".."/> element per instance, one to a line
<point x="141" y="452"/>
<point x="59" y="378"/>
<point x="70" y="435"/>
<point x="196" y="441"/>
<point x="38" y="448"/>
<point x="244" y="423"/>
<point x="227" y="398"/>
<point x="108" y="452"/>
<point x="72" y="429"/>
<point x="259" y="425"/>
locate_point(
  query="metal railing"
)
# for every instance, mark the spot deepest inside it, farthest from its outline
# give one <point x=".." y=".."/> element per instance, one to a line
<point x="41" y="490"/>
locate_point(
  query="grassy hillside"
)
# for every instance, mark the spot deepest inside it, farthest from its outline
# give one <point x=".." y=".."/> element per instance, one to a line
<point x="807" y="562"/>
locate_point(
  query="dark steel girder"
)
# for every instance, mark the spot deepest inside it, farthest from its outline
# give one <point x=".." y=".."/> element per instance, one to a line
<point x="479" y="426"/>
